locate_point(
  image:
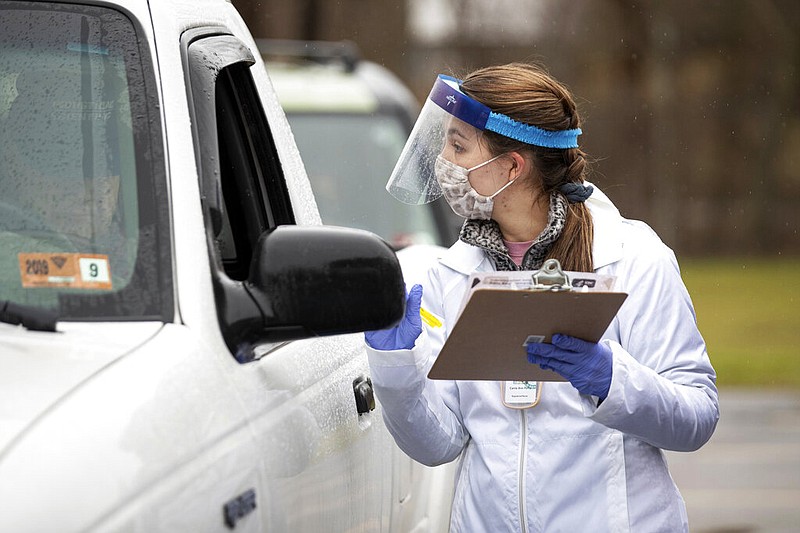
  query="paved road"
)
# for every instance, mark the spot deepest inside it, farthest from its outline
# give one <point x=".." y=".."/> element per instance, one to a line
<point x="746" y="479"/>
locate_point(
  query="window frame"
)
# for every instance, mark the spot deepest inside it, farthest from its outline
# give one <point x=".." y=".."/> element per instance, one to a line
<point x="236" y="155"/>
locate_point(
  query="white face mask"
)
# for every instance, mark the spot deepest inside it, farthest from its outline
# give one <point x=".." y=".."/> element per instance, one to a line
<point x="463" y="199"/>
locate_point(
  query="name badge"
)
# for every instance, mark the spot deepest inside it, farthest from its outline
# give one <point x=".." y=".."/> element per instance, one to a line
<point x="520" y="394"/>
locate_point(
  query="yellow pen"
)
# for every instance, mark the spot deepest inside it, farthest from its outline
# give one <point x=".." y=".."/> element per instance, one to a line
<point x="429" y="318"/>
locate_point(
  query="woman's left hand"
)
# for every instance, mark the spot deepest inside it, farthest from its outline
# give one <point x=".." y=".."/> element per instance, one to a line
<point x="587" y="365"/>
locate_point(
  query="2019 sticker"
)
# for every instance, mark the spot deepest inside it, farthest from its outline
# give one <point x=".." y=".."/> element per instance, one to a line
<point x="73" y="270"/>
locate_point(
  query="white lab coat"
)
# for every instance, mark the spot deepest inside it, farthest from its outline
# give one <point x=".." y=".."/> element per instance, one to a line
<point x="566" y="464"/>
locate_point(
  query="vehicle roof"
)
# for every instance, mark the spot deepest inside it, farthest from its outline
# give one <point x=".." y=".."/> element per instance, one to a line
<point x="310" y="87"/>
<point x="331" y="77"/>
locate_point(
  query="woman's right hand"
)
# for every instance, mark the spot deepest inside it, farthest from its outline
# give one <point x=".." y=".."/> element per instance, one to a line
<point x="403" y="335"/>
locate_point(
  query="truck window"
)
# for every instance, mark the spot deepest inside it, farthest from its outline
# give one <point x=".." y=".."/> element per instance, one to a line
<point x="253" y="188"/>
<point x="241" y="175"/>
<point x="79" y="165"/>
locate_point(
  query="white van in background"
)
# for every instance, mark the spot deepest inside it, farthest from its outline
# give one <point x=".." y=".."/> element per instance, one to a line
<point x="351" y="118"/>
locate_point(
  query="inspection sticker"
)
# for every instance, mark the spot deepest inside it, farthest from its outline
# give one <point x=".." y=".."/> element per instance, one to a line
<point x="73" y="270"/>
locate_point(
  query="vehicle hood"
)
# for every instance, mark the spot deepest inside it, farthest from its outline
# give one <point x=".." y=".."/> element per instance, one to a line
<point x="39" y="369"/>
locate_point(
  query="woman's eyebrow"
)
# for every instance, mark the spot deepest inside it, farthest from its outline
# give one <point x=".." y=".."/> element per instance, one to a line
<point x="455" y="131"/>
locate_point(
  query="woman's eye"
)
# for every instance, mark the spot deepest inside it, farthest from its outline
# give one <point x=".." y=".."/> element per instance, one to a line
<point x="457" y="148"/>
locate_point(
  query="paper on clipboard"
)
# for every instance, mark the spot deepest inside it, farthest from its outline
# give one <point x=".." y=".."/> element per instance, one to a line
<point x="521" y="280"/>
<point x="501" y="314"/>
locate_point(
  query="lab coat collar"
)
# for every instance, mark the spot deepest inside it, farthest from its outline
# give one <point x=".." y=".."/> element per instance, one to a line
<point x="466" y="259"/>
<point x="607" y="247"/>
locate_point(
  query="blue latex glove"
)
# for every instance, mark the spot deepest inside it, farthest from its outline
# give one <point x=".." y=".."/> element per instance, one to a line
<point x="587" y="365"/>
<point x="403" y="335"/>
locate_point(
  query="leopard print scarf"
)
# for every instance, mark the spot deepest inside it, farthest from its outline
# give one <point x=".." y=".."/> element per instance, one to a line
<point x="486" y="234"/>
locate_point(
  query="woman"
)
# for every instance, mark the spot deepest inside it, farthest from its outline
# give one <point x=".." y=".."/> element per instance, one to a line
<point x="586" y="454"/>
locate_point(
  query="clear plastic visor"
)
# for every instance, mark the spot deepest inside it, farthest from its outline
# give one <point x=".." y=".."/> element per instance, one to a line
<point x="449" y="120"/>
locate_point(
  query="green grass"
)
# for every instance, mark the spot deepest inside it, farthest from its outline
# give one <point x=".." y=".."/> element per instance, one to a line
<point x="748" y="311"/>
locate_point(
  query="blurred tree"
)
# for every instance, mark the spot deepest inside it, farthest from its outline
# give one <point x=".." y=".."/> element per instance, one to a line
<point x="691" y="108"/>
<point x="378" y="27"/>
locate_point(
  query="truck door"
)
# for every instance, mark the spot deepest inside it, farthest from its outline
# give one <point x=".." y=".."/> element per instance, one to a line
<point x="324" y="466"/>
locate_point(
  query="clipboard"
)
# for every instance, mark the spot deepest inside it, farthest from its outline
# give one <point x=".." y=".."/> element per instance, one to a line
<point x="488" y="341"/>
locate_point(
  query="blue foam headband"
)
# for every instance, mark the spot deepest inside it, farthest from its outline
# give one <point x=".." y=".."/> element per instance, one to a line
<point x="446" y="93"/>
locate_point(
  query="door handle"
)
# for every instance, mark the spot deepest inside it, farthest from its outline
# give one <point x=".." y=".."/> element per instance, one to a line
<point x="365" y="397"/>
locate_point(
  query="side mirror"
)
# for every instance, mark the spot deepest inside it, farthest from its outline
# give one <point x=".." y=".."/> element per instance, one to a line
<point x="308" y="281"/>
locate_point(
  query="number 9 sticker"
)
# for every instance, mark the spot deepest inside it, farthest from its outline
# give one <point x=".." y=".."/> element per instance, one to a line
<point x="94" y="269"/>
<point x="77" y="271"/>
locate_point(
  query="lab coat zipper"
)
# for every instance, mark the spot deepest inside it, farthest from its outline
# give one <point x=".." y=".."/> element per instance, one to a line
<point x="523" y="459"/>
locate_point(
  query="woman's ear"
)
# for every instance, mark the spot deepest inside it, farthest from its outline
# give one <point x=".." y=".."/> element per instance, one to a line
<point x="519" y="166"/>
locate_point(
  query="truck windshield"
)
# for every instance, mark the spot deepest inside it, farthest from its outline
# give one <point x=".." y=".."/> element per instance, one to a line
<point x="349" y="158"/>
<point x="77" y="164"/>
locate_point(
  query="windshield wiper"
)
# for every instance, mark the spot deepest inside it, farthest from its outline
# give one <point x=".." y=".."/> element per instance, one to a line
<point x="27" y="316"/>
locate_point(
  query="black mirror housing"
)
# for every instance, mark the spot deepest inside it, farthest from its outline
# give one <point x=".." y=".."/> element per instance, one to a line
<point x="321" y="280"/>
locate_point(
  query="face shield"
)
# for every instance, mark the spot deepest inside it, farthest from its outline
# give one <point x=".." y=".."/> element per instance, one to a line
<point x="448" y="110"/>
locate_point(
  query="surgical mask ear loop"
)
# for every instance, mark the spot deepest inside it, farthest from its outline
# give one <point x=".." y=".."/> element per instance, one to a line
<point x="501" y="189"/>
<point x="476" y="167"/>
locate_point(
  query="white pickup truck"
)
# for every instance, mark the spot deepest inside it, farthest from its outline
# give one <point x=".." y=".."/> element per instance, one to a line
<point x="177" y="330"/>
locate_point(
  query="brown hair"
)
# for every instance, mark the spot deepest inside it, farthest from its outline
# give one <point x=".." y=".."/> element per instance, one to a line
<point x="528" y="94"/>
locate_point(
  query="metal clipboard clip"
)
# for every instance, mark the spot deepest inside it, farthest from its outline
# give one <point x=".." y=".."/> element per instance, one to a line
<point x="551" y="278"/>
